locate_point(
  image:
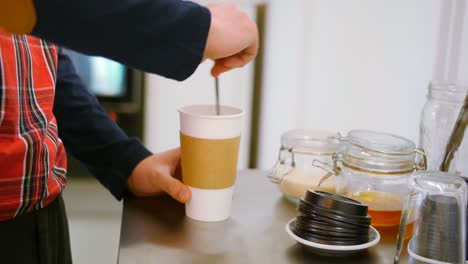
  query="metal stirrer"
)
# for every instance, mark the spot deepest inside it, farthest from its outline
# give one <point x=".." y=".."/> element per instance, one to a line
<point x="218" y="110"/>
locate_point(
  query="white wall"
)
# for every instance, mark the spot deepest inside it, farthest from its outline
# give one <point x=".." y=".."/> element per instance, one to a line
<point x="452" y="43"/>
<point x="361" y="64"/>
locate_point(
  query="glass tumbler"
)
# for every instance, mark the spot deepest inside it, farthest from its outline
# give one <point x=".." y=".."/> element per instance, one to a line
<point x="434" y="214"/>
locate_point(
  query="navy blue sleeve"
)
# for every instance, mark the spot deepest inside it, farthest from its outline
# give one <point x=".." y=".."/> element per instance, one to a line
<point x="166" y="37"/>
<point x="90" y="135"/>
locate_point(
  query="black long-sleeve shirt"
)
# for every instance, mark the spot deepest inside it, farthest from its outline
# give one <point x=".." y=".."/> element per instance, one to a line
<point x="166" y="37"/>
<point x="90" y="135"/>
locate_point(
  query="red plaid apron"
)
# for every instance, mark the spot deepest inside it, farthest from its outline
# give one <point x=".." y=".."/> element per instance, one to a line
<point x="32" y="157"/>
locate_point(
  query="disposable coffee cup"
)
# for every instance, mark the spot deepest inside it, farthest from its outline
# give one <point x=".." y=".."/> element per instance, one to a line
<point x="210" y="150"/>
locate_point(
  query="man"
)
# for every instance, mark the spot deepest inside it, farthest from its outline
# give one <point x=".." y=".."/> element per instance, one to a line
<point x="168" y="37"/>
<point x="137" y="32"/>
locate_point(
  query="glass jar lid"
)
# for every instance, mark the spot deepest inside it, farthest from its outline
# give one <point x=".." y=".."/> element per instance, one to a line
<point x="384" y="143"/>
<point x="310" y="141"/>
<point x="302" y="142"/>
<point x="378" y="152"/>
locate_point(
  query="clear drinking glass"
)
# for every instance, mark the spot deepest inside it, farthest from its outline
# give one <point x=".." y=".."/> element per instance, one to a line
<point x="434" y="216"/>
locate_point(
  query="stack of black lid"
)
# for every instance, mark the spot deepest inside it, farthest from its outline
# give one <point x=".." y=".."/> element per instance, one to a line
<point x="332" y="219"/>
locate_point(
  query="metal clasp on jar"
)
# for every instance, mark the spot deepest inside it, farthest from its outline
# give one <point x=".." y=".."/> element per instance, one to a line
<point x="331" y="169"/>
<point x="422" y="163"/>
<point x="281" y="168"/>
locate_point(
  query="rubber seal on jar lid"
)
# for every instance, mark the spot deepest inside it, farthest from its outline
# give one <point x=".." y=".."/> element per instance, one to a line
<point x="336" y="202"/>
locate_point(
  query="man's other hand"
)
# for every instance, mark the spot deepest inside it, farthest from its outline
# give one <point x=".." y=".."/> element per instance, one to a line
<point x="158" y="174"/>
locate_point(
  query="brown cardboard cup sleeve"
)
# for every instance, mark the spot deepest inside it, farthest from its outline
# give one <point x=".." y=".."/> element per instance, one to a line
<point x="209" y="163"/>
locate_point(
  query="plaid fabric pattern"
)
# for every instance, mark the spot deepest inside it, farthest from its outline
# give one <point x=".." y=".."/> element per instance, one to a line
<point x="32" y="157"/>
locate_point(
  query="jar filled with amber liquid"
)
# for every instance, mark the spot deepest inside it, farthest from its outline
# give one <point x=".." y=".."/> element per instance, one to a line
<point x="294" y="172"/>
<point x="374" y="168"/>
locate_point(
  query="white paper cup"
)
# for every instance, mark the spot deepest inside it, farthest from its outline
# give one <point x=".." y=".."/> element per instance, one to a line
<point x="210" y="149"/>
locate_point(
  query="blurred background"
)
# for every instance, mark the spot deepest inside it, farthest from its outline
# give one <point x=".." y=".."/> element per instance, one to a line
<point x="323" y="64"/>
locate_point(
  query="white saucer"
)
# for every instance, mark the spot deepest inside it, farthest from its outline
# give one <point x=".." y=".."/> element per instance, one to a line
<point x="323" y="249"/>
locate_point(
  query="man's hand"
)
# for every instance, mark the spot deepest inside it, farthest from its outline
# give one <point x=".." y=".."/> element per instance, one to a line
<point x="157" y="174"/>
<point x="232" y="40"/>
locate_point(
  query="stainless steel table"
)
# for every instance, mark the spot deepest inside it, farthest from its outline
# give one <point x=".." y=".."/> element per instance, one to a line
<point x="155" y="230"/>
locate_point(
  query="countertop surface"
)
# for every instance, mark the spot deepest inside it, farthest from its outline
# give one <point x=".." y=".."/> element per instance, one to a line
<point x="155" y="230"/>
